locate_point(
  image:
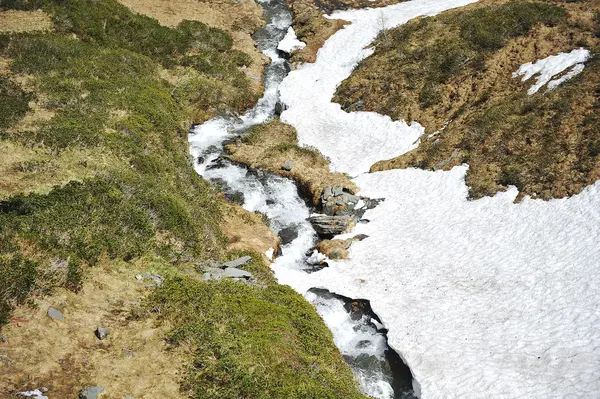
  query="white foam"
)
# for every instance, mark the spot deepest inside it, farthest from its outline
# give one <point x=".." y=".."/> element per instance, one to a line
<point x="551" y="66"/>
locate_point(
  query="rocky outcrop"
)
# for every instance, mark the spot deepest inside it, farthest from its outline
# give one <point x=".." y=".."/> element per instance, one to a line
<point x="328" y="226"/>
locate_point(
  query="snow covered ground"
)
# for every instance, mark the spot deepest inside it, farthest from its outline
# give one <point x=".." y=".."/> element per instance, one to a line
<point x="483" y="298"/>
<point x="290" y="42"/>
<point x="551" y="66"/>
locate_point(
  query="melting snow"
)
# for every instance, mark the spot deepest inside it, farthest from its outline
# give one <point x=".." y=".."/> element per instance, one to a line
<point x="482" y="298"/>
<point x="551" y="66"/>
<point x="353" y="141"/>
<point x="290" y="42"/>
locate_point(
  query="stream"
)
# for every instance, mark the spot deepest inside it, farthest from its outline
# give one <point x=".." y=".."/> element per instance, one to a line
<point x="357" y="331"/>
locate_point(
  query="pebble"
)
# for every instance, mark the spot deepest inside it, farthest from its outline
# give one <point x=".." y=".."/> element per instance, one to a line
<point x="55" y="314"/>
<point x="101" y="332"/>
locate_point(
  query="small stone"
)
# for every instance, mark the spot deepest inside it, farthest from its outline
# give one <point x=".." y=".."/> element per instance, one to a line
<point x="157" y="279"/>
<point x="4" y="339"/>
<point x="129" y="397"/>
<point x="44" y="389"/>
<point x="101" y="332"/>
<point x="238" y="262"/>
<point x="232" y="272"/>
<point x="337" y="190"/>
<point x="287" y="165"/>
<point x="139" y="277"/>
<point x="327" y="193"/>
<point x="206" y="276"/>
<point x="91" y="393"/>
<point x="55" y="314"/>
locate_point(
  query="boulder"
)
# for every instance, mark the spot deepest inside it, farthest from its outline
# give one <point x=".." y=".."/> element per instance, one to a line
<point x="288" y="234"/>
<point x="327" y="226"/>
<point x="234" y="273"/>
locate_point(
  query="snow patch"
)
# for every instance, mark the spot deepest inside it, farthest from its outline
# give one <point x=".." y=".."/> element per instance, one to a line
<point x="353" y="141"/>
<point x="551" y="66"/>
<point x="290" y="42"/>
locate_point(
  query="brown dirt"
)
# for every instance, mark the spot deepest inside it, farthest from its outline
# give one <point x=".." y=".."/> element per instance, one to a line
<point x="465" y="100"/>
<point x="24" y="21"/>
<point x="66" y="356"/>
<point x="270" y="146"/>
<point x="239" y="18"/>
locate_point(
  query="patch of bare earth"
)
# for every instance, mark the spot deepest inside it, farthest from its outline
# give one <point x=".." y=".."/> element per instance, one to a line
<point x="544" y="144"/>
<point x="24" y="21"/>
<point x="66" y="356"/>
<point x="239" y="18"/>
<point x="272" y="145"/>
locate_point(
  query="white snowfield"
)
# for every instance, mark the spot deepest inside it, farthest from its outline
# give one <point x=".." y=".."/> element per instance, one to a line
<point x="551" y="66"/>
<point x="290" y="42"/>
<point x="353" y="141"/>
<point x="483" y="299"/>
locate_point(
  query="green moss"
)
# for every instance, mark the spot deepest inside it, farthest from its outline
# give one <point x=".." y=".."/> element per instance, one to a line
<point x="252" y="341"/>
<point x="15" y="102"/>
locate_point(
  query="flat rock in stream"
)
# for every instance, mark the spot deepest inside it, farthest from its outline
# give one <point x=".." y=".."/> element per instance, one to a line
<point x="327" y="226"/>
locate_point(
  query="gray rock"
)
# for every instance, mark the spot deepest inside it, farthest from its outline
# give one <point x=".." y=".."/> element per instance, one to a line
<point x="101" y="332"/>
<point x="91" y="393"/>
<point x="157" y="279"/>
<point x="232" y="272"/>
<point x="326" y="225"/>
<point x="327" y="193"/>
<point x="287" y="165"/>
<point x="337" y="190"/>
<point x="288" y="234"/>
<point x="129" y="397"/>
<point x="206" y="276"/>
<point x="4" y="339"/>
<point x="349" y="198"/>
<point x="238" y="262"/>
<point x="55" y="314"/>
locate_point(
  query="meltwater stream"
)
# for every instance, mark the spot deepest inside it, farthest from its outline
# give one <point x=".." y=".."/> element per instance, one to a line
<point x="359" y="336"/>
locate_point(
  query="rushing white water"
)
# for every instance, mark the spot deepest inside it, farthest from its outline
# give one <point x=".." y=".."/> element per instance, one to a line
<point x="278" y="198"/>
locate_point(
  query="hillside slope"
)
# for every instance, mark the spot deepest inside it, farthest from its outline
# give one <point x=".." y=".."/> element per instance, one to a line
<point x="453" y="74"/>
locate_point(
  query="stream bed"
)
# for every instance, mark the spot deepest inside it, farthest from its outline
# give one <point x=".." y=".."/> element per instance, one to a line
<point x="357" y="331"/>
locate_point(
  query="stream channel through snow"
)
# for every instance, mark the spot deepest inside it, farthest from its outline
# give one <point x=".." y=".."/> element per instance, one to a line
<point x="358" y="332"/>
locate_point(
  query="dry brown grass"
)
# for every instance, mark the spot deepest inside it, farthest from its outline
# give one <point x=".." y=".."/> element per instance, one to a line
<point x="546" y="164"/>
<point x="239" y="18"/>
<point x="270" y="146"/>
<point x="247" y="231"/>
<point x="66" y="356"/>
<point x="24" y="21"/>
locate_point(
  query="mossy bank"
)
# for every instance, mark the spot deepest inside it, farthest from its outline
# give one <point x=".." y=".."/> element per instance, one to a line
<point x="453" y="74"/>
<point x="97" y="104"/>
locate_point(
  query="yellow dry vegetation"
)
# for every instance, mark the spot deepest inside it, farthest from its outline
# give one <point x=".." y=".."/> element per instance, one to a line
<point x="66" y="356"/>
<point x="269" y="146"/>
<point x="24" y="21"/>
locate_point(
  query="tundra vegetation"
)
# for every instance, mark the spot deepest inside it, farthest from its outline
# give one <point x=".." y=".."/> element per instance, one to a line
<point x="453" y="74"/>
<point x="93" y="133"/>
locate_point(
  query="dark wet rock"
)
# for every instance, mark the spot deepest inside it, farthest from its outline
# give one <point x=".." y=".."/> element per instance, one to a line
<point x="359" y="237"/>
<point x="55" y="314"/>
<point x="270" y="202"/>
<point x="328" y="226"/>
<point x="279" y="251"/>
<point x="101" y="333"/>
<point x="238" y="262"/>
<point x="218" y="163"/>
<point x="91" y="393"/>
<point x="200" y="160"/>
<point x="287" y="165"/>
<point x="235" y="197"/>
<point x="279" y="108"/>
<point x="288" y="234"/>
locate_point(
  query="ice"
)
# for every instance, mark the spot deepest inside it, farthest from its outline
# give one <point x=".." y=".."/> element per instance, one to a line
<point x="290" y="42"/>
<point x="353" y="141"/>
<point x="551" y="66"/>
